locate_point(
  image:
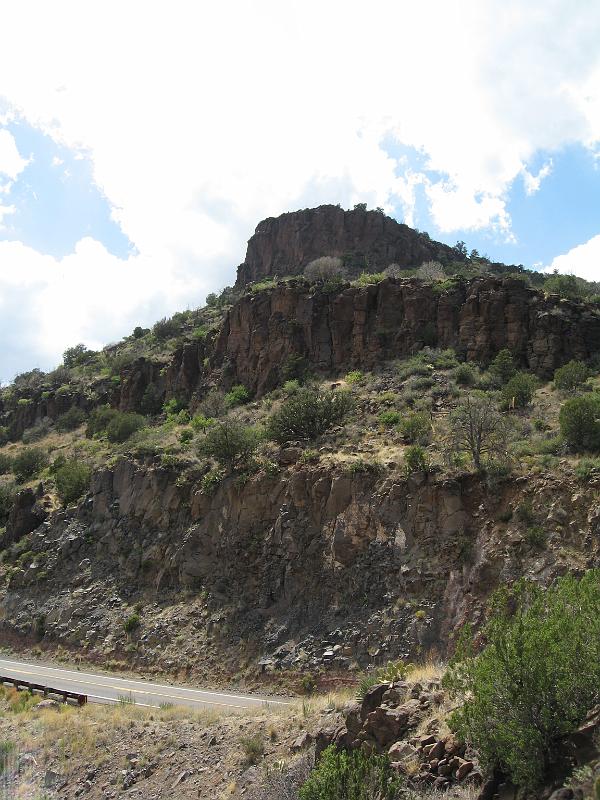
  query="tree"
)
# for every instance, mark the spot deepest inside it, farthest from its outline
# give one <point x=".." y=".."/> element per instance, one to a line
<point x="29" y="463"/>
<point x="309" y="413"/>
<point x="431" y="271"/>
<point x="519" y="390"/>
<point x="579" y="420"/>
<point x="536" y="679"/>
<point x="571" y="376"/>
<point x="72" y="480"/>
<point x="73" y="356"/>
<point x="324" y="268"/>
<point x="477" y="427"/>
<point x="503" y="366"/>
<point x="229" y="442"/>
<point x="567" y="286"/>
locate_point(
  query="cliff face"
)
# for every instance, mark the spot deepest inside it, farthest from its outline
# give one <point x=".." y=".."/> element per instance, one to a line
<point x="367" y="240"/>
<point x="305" y="568"/>
<point x="365" y="326"/>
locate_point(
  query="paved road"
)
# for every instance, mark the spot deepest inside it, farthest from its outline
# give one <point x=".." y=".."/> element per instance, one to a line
<point x="110" y="689"/>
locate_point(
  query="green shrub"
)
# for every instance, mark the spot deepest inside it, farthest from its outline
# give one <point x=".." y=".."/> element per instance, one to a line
<point x="200" y="423"/>
<point x="72" y="481"/>
<point x="308" y="414"/>
<point x="389" y="418"/>
<point x="253" y="747"/>
<point x="229" y="442"/>
<point x="416" y="427"/>
<point x="393" y="671"/>
<point x="186" y="436"/>
<point x="210" y="481"/>
<point x="587" y="468"/>
<point x="3" y="435"/>
<point x="519" y="390"/>
<point x="99" y="420"/>
<point x="7" y="498"/>
<point x="536" y="679"/>
<point x="367" y="278"/>
<point x="536" y="537"/>
<point x="355" y="376"/>
<point x="166" y="328"/>
<point x="151" y="402"/>
<point x="292" y="386"/>
<point x="415" y="459"/>
<point x="132" y="623"/>
<point x="503" y="367"/>
<point x="29" y="463"/>
<point x="571" y="376"/>
<point x="173" y="406"/>
<point x="365" y="682"/>
<point x="123" y="425"/>
<point x="71" y="419"/>
<point x="579" y="420"/>
<point x="237" y="396"/>
<point x="74" y="356"/>
<point x="342" y="775"/>
<point x="465" y="375"/>
<point x="6" y="463"/>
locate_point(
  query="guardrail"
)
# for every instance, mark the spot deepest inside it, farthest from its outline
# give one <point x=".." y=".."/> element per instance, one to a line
<point x="63" y="694"/>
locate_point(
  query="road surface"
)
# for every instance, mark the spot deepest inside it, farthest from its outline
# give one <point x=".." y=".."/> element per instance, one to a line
<point x="110" y="689"/>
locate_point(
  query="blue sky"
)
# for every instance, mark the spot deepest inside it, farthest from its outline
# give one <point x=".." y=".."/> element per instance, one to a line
<point x="56" y="200"/>
<point x="133" y="168"/>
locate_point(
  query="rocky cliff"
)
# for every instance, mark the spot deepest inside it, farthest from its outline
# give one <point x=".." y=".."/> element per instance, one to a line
<point x="310" y="568"/>
<point x="365" y="240"/>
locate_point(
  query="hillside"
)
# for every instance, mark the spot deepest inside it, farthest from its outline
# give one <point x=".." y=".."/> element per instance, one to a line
<point x="280" y="489"/>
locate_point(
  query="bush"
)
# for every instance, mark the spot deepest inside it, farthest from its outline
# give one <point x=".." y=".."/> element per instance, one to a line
<point x="465" y="375"/>
<point x="229" y="442"/>
<point x="342" y="775"/>
<point x="368" y="278"/>
<point x="587" y="469"/>
<point x="536" y="679"/>
<point x="6" y="463"/>
<point x="355" y="376"/>
<point x="117" y="425"/>
<point x="70" y="420"/>
<point x="7" y="498"/>
<point x="123" y="425"/>
<point x="571" y="376"/>
<point x="132" y="623"/>
<point x="579" y="420"/>
<point x="519" y="390"/>
<point x="324" y="268"/>
<point x="416" y="427"/>
<point x="308" y="414"/>
<point x="254" y="748"/>
<point x="201" y="423"/>
<point x="237" y="396"/>
<point x="99" y="420"/>
<point x="389" y="418"/>
<point x="415" y="459"/>
<point x="72" y="481"/>
<point x="29" y="463"/>
<point x="152" y="401"/>
<point x="503" y="367"/>
<point x="431" y="271"/>
<point x="74" y="356"/>
<point x="166" y="329"/>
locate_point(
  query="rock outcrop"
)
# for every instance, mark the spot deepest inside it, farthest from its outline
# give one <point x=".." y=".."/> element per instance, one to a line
<point x="365" y="240"/>
<point x="313" y="568"/>
<point x="365" y="326"/>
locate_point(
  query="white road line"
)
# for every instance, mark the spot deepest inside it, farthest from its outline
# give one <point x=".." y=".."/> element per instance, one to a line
<point x="96" y="680"/>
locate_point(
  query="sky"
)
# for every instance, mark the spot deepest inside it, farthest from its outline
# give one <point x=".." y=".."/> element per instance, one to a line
<point x="142" y="142"/>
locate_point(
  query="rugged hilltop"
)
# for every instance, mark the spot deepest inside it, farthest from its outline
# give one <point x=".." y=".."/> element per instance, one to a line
<point x="365" y="240"/>
<point x="317" y="554"/>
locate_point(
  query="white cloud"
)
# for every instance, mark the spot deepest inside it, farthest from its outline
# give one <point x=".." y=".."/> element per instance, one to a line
<point x="583" y="260"/>
<point x="11" y="163"/>
<point x="533" y="182"/>
<point x="202" y="118"/>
